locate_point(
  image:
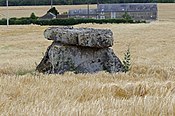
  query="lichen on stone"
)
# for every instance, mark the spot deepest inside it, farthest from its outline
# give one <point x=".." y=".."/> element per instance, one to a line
<point x="83" y="50"/>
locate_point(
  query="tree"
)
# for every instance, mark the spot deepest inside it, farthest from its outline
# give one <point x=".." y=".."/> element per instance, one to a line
<point x="33" y="16"/>
<point x="127" y="16"/>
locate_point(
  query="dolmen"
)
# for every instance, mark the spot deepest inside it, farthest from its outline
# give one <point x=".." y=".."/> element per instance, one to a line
<point x="81" y="50"/>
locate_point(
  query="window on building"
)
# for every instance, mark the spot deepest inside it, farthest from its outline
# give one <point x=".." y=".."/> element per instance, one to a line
<point x="113" y="15"/>
<point x="102" y="17"/>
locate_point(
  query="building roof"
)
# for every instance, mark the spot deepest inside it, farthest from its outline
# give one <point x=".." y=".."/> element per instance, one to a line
<point x="82" y="11"/>
<point x="48" y="15"/>
<point x="132" y="7"/>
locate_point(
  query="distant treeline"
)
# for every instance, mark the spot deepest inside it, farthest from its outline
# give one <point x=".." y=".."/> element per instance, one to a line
<point x="75" y="2"/>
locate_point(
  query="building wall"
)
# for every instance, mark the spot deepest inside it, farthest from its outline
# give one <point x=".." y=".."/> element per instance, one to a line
<point x="106" y="11"/>
<point x="83" y="16"/>
<point x="143" y="15"/>
<point x="134" y="15"/>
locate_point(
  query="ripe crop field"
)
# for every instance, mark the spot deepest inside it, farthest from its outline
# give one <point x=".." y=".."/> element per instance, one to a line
<point x="148" y="89"/>
<point x="25" y="11"/>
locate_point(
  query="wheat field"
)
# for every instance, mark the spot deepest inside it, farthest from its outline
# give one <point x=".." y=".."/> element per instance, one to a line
<point x="148" y="89"/>
<point x="25" y="11"/>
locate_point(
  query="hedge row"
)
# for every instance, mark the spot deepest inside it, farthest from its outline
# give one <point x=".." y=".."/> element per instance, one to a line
<point x="69" y="21"/>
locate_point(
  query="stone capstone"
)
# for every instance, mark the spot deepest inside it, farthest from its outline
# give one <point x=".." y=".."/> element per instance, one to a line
<point x="66" y="54"/>
<point x="87" y="37"/>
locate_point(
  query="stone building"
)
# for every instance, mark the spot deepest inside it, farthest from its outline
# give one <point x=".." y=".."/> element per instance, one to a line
<point x="137" y="11"/>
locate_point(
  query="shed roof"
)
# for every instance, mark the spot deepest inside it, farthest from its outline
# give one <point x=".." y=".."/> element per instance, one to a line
<point x="48" y="15"/>
<point x="135" y="7"/>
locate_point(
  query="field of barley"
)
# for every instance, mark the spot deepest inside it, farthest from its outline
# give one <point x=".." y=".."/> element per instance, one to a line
<point x="148" y="89"/>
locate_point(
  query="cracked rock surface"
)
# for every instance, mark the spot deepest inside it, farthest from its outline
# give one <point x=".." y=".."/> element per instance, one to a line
<point x="83" y="50"/>
<point x="85" y="37"/>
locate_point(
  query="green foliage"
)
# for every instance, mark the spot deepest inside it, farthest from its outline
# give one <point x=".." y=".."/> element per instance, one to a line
<point x="127" y="60"/>
<point x="3" y="21"/>
<point x="126" y="16"/>
<point x="72" y="21"/>
<point x="53" y="10"/>
<point x="64" y="13"/>
<point x="68" y="21"/>
<point x="33" y="16"/>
